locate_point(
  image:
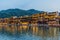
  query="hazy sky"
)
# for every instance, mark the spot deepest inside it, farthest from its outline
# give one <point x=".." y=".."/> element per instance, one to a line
<point x="45" y="5"/>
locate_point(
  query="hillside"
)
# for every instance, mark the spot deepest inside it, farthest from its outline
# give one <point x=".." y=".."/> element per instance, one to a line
<point x="17" y="12"/>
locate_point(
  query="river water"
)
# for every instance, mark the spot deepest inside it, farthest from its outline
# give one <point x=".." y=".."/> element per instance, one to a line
<point x="30" y="33"/>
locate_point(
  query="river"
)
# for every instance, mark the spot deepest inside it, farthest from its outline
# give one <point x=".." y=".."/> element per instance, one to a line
<point x="29" y="33"/>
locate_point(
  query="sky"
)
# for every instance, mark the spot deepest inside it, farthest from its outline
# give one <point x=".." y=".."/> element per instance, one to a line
<point x="42" y="5"/>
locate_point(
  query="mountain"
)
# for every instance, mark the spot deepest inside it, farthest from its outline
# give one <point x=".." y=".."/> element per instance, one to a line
<point x="17" y="12"/>
<point x="33" y="11"/>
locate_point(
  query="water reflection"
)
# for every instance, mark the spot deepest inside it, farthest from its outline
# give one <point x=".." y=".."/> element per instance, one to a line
<point x="25" y="32"/>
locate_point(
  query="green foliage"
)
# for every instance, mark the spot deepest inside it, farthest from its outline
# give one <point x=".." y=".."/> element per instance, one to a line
<point x="17" y="12"/>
